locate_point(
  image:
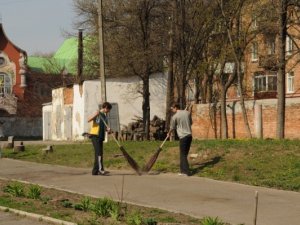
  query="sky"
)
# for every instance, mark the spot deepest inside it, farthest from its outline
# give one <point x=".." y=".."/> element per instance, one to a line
<point x="37" y="26"/>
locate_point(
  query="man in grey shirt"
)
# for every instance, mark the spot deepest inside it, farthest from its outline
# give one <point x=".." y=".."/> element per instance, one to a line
<point x="182" y="122"/>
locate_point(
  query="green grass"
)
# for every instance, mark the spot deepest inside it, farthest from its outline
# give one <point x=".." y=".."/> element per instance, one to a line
<point x="269" y="163"/>
<point x="61" y="205"/>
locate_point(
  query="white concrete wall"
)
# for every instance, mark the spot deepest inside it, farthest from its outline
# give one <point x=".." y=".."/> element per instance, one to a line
<point x="78" y="112"/>
<point x="47" y="126"/>
<point x="123" y="91"/>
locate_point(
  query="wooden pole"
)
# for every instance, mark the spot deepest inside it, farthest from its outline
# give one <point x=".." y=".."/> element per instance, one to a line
<point x="255" y="210"/>
<point x="170" y="84"/>
<point x="80" y="56"/>
<point x="101" y="53"/>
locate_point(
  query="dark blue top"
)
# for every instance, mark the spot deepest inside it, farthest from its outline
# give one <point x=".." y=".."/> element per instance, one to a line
<point x="102" y="128"/>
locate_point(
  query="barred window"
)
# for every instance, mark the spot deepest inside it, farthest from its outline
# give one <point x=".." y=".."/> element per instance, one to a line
<point x="5" y="84"/>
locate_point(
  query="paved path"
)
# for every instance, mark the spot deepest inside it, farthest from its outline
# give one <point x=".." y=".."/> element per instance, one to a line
<point x="194" y="196"/>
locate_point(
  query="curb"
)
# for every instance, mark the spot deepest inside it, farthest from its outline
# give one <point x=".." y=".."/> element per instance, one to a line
<point x="36" y="216"/>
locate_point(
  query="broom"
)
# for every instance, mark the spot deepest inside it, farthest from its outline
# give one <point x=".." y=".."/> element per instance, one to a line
<point x="129" y="159"/>
<point x="153" y="159"/>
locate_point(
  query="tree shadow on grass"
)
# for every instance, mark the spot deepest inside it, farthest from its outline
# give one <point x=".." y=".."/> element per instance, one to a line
<point x="201" y="166"/>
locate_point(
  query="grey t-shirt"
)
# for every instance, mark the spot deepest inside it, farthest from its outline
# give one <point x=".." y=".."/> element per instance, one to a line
<point x="182" y="121"/>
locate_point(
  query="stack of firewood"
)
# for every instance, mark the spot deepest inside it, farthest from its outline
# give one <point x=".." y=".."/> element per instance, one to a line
<point x="134" y="130"/>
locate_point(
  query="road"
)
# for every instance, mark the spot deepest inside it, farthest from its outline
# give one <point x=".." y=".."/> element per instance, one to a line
<point x="193" y="196"/>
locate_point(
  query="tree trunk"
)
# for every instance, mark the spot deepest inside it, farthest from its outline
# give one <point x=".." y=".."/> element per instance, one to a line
<point x="281" y="71"/>
<point x="242" y="101"/>
<point x="146" y="107"/>
<point x="203" y="83"/>
<point x="197" y="89"/>
<point x="224" y="124"/>
<point x="210" y="89"/>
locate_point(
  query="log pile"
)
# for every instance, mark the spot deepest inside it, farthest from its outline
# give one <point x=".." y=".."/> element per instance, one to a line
<point x="134" y="130"/>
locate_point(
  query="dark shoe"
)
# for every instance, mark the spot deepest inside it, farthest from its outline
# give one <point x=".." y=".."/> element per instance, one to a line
<point x="103" y="172"/>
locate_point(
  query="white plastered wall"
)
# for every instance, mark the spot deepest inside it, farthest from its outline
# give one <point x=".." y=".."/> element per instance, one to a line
<point x="123" y="91"/>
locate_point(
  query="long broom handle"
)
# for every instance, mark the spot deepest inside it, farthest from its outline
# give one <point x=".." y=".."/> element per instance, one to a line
<point x="107" y="127"/>
<point x="162" y="144"/>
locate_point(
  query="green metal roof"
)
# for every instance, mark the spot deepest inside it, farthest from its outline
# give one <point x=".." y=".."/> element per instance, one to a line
<point x="65" y="57"/>
<point x="68" y="50"/>
<point x="37" y="63"/>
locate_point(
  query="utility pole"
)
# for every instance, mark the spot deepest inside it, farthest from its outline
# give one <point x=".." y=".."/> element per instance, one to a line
<point x="80" y="56"/>
<point x="170" y="84"/>
<point x="101" y="53"/>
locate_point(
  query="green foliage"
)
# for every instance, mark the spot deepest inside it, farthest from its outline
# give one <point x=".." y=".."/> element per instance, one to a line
<point x="16" y="189"/>
<point x="45" y="199"/>
<point x="150" y="221"/>
<point x="85" y="204"/>
<point x="134" y="218"/>
<point x="115" y="212"/>
<point x="34" y="192"/>
<point x="269" y="163"/>
<point x="211" y="221"/>
<point x="66" y="203"/>
<point x="104" y="207"/>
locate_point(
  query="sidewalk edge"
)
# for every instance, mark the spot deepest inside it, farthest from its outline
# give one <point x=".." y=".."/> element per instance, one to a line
<point x="36" y="216"/>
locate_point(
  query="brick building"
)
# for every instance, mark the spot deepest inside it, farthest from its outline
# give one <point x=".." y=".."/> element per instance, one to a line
<point x="260" y="89"/>
<point x="22" y="92"/>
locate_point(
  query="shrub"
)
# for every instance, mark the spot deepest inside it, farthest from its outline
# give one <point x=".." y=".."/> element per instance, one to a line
<point x="104" y="207"/>
<point x="66" y="203"/>
<point x="134" y="219"/>
<point x="211" y="221"/>
<point x="15" y="189"/>
<point x="34" y="192"/>
<point x="84" y="205"/>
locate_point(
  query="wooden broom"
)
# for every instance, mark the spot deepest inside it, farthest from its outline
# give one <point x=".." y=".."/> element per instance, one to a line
<point x="129" y="159"/>
<point x="153" y="159"/>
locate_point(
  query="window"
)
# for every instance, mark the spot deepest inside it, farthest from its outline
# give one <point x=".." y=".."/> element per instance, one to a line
<point x="263" y="83"/>
<point x="5" y="84"/>
<point x="271" y="47"/>
<point x="2" y="61"/>
<point x="290" y="82"/>
<point x="254" y="23"/>
<point x="289" y="45"/>
<point x="254" y="53"/>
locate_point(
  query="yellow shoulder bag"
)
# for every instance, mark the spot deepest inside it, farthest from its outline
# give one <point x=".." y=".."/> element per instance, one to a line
<point x="94" y="128"/>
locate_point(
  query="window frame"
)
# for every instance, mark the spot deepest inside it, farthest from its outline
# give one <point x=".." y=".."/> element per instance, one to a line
<point x="6" y="85"/>
<point x="254" y="52"/>
<point x="289" y="45"/>
<point x="290" y="82"/>
<point x="263" y="82"/>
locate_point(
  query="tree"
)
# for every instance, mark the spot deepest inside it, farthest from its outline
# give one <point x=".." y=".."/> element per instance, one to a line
<point x="283" y="6"/>
<point x="193" y="25"/>
<point x="239" y="36"/>
<point x="135" y="34"/>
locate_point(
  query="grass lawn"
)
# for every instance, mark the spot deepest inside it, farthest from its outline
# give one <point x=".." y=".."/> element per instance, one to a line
<point x="269" y="163"/>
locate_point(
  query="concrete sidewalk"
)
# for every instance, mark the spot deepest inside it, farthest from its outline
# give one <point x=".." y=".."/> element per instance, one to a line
<point x="194" y="196"/>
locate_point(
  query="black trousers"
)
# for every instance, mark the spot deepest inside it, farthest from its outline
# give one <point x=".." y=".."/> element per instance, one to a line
<point x="185" y="144"/>
<point x="98" y="148"/>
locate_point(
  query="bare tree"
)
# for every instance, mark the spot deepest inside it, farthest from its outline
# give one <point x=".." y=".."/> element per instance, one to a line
<point x="192" y="28"/>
